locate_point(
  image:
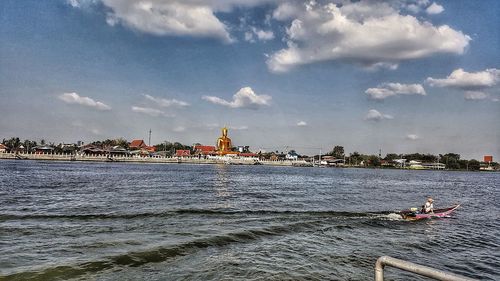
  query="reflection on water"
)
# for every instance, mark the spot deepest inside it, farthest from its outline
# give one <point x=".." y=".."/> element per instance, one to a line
<point x="222" y="187"/>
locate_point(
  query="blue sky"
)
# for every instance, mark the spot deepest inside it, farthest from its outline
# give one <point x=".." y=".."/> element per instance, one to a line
<point x="401" y="76"/>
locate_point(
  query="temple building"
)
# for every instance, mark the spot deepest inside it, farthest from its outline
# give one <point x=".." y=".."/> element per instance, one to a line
<point x="204" y="150"/>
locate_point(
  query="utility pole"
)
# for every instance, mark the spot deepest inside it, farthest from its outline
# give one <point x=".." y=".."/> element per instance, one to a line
<point x="149" y="143"/>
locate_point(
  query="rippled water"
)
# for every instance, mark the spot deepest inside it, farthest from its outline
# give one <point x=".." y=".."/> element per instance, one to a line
<point x="111" y="221"/>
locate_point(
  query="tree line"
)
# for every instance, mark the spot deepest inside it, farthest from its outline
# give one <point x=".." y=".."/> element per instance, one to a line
<point x="15" y="144"/>
<point x="451" y="161"/>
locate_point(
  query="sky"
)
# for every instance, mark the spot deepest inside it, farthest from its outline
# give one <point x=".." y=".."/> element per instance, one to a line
<point x="396" y="76"/>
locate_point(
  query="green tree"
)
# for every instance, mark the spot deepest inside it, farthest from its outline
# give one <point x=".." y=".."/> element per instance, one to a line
<point x="108" y="143"/>
<point x="338" y="152"/>
<point x="474" y="165"/>
<point x="450" y="160"/>
<point x="29" y="145"/>
<point x="463" y="164"/>
<point x="12" y="143"/>
<point x="178" y="145"/>
<point x="355" y="158"/>
<point x="429" y="158"/>
<point x="413" y="156"/>
<point x="391" y="157"/>
<point x="121" y="142"/>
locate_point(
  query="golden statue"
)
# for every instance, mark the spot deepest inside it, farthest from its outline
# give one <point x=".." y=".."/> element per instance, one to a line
<point x="224" y="143"/>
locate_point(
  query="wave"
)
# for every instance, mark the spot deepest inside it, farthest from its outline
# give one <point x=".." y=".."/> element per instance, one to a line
<point x="158" y="254"/>
<point x="217" y="212"/>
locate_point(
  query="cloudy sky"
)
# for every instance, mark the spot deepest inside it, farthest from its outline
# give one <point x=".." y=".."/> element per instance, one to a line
<point x="401" y="76"/>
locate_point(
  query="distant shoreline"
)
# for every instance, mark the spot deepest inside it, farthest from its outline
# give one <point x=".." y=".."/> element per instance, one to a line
<point x="150" y="159"/>
<point x="186" y="160"/>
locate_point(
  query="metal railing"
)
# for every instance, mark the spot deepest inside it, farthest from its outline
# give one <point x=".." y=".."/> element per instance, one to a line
<point x="415" y="268"/>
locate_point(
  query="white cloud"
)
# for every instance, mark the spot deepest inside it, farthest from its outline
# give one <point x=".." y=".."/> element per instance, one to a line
<point x="301" y="124"/>
<point x="374" y="115"/>
<point x="74" y="98"/>
<point x="81" y="3"/>
<point x="365" y="32"/>
<point x="166" y="102"/>
<point x="413" y="7"/>
<point x="386" y="90"/>
<point x="412" y="137"/>
<point x="74" y="3"/>
<point x="179" y="129"/>
<point x="286" y="11"/>
<point x="263" y="35"/>
<point x="150" y="111"/>
<point x="174" y="17"/>
<point x="434" y="9"/>
<point x="238" y="128"/>
<point x="258" y="34"/>
<point x="468" y="80"/>
<point x="475" y="95"/>
<point x="244" y="98"/>
<point x="249" y="37"/>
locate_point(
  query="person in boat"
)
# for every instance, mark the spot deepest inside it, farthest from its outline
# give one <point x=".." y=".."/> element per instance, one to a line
<point x="428" y="207"/>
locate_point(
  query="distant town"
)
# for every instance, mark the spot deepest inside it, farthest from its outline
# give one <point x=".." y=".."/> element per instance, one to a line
<point x="137" y="150"/>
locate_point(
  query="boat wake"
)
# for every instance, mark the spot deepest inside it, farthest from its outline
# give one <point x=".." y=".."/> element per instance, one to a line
<point x="203" y="212"/>
<point x="392" y="217"/>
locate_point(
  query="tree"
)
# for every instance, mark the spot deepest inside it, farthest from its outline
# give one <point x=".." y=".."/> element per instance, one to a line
<point x="29" y="145"/>
<point x="108" y="143"/>
<point x="373" y="161"/>
<point x="121" y="142"/>
<point x="474" y="165"/>
<point x="413" y="156"/>
<point x="463" y="164"/>
<point x="429" y="158"/>
<point x="12" y="143"/>
<point x="338" y="152"/>
<point x="355" y="158"/>
<point x="391" y="157"/>
<point x="450" y="160"/>
<point x="178" y="145"/>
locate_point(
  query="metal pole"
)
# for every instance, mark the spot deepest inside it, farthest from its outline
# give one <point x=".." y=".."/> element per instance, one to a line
<point x="415" y="268"/>
<point x="149" y="144"/>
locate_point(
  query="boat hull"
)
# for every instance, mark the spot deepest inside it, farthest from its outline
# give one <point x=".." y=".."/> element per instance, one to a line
<point x="438" y="213"/>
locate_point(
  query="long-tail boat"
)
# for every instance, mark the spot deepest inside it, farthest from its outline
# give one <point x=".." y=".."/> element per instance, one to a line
<point x="414" y="214"/>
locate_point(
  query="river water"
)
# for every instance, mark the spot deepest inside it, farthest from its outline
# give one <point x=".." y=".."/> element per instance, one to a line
<point x="112" y="221"/>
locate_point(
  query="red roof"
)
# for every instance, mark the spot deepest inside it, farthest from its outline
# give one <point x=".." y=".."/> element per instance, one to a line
<point x="137" y="144"/>
<point x="2" y="146"/>
<point x="181" y="152"/>
<point x="204" y="148"/>
<point x="150" y="148"/>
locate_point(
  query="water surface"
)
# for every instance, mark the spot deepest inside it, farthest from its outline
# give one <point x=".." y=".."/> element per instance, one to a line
<point x="114" y="221"/>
